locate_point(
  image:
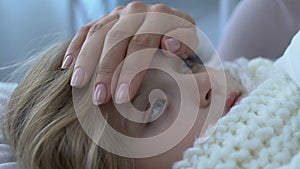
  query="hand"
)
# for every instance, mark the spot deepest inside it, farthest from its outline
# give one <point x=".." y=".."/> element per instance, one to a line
<point x="113" y="37"/>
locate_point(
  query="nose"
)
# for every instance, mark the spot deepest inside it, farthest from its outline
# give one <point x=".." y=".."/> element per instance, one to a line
<point x="205" y="89"/>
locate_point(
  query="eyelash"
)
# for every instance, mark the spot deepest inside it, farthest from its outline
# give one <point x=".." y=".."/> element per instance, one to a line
<point x="190" y="62"/>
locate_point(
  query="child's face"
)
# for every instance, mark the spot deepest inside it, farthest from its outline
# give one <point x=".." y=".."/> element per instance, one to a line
<point x="157" y="79"/>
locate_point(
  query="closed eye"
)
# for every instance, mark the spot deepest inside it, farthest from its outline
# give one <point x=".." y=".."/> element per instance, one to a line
<point x="193" y="63"/>
<point x="194" y="59"/>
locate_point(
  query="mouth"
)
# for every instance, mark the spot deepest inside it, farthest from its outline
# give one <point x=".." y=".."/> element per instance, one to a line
<point x="232" y="99"/>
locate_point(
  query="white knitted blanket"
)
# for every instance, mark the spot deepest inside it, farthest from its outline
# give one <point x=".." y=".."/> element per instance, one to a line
<point x="263" y="130"/>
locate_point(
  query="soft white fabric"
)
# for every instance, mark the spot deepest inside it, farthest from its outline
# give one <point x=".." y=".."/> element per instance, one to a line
<point x="290" y="61"/>
<point x="239" y="70"/>
<point x="262" y="131"/>
<point x="7" y="158"/>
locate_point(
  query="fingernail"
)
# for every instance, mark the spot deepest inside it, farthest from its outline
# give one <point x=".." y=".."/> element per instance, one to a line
<point x="122" y="93"/>
<point x="67" y="62"/>
<point x="172" y="45"/>
<point x="77" y="78"/>
<point x="99" y="94"/>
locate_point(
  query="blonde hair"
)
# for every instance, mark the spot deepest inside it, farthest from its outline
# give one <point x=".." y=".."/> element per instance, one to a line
<point x="42" y="126"/>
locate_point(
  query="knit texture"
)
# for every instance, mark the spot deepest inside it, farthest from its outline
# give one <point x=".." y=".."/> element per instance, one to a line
<point x="262" y="131"/>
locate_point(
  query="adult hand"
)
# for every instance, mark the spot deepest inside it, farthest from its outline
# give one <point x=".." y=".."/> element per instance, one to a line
<point x="103" y="44"/>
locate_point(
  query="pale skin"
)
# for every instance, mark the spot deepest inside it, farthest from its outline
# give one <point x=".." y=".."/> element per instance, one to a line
<point x="206" y="90"/>
<point x="86" y="62"/>
<point x="256" y="29"/>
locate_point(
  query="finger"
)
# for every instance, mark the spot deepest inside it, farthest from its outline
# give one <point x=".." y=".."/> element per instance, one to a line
<point x="91" y="50"/>
<point x="181" y="42"/>
<point x="119" y="8"/>
<point x="101" y="23"/>
<point x="132" y="73"/>
<point x="184" y="15"/>
<point x="114" y="50"/>
<point x="75" y="45"/>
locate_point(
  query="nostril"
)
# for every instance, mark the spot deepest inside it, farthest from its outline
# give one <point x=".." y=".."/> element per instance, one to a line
<point x="208" y="95"/>
<point x="206" y="98"/>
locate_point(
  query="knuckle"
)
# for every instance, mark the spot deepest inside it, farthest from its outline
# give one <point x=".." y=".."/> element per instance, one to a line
<point x="184" y="15"/>
<point x="85" y="28"/>
<point x="136" y="5"/>
<point x="161" y="8"/>
<point x="142" y="40"/>
<point x="191" y="19"/>
<point x="119" y="8"/>
<point x="116" y="34"/>
<point x="96" y="27"/>
<point x="105" y="71"/>
<point x="104" y="16"/>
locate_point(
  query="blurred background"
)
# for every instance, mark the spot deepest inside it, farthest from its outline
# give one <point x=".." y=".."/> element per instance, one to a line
<point x="31" y="25"/>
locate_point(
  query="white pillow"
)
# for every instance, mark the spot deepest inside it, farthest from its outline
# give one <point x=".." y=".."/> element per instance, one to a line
<point x="7" y="157"/>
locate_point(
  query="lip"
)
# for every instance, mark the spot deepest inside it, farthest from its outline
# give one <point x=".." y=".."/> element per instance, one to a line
<point x="238" y="99"/>
<point x="232" y="99"/>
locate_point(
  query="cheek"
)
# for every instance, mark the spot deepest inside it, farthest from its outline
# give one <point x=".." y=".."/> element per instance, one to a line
<point x="234" y="85"/>
<point x="167" y="118"/>
<point x="167" y="159"/>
